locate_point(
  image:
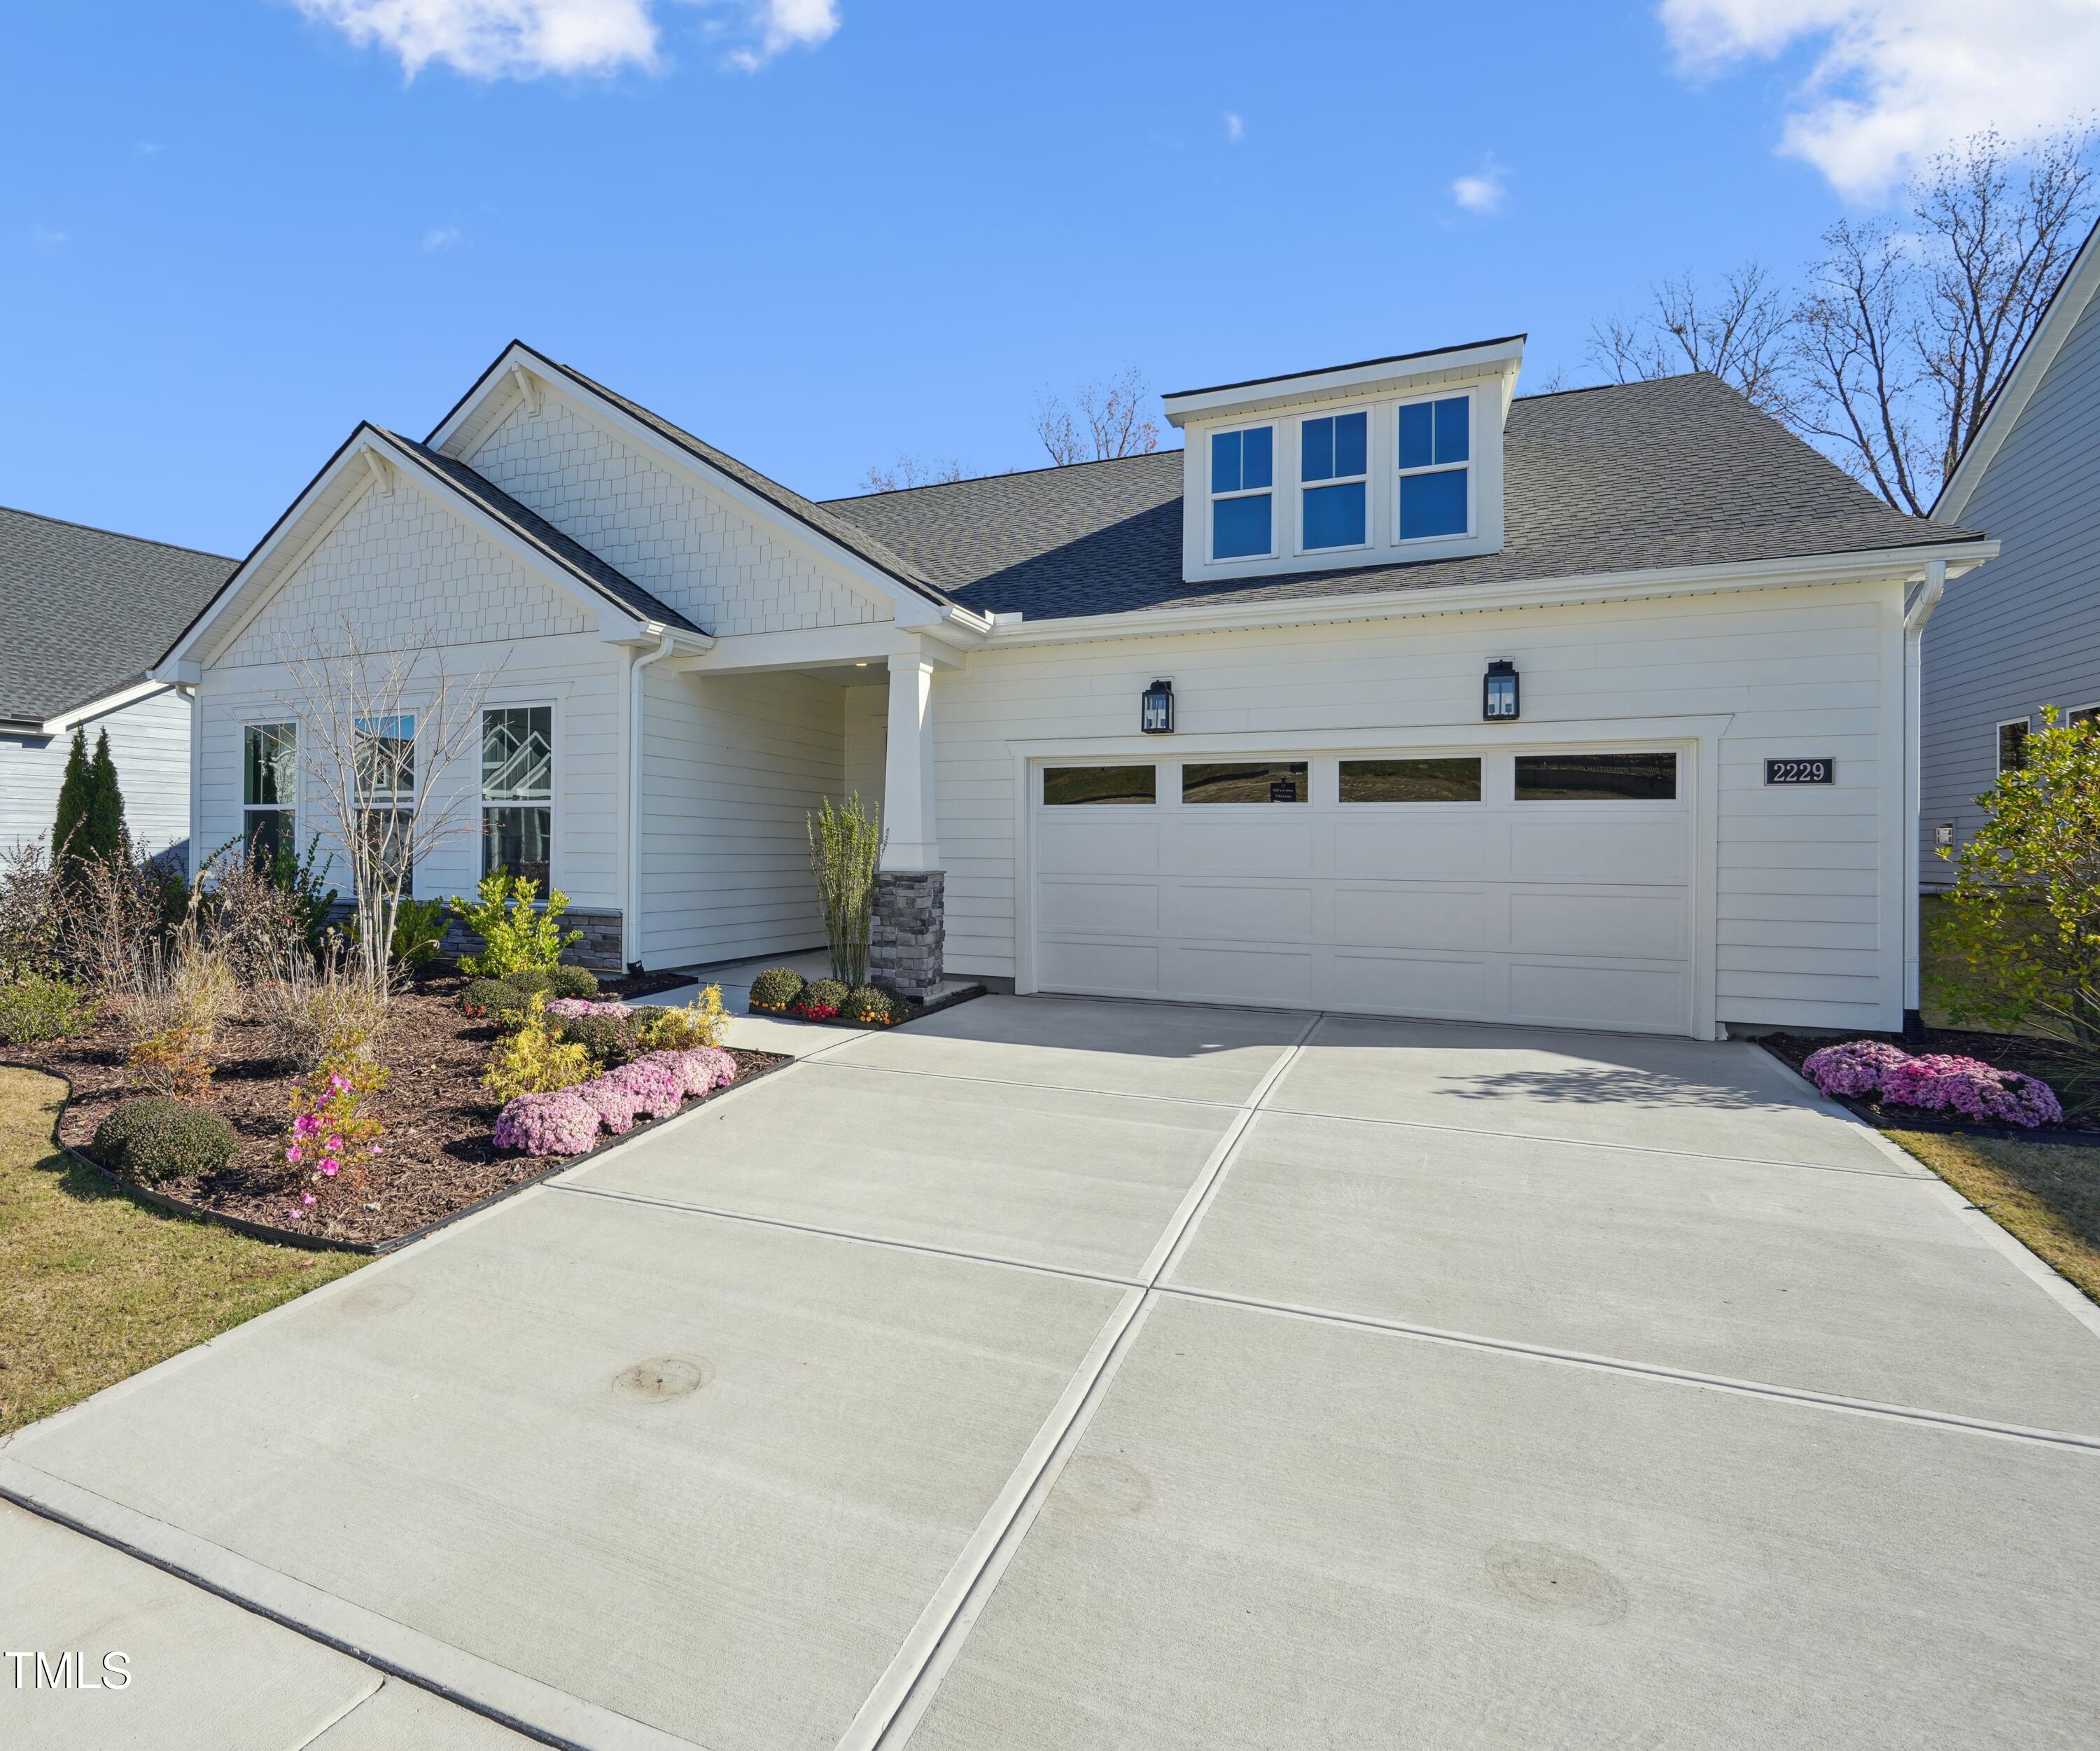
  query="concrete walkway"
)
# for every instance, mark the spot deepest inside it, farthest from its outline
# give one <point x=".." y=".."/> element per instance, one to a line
<point x="1063" y="1374"/>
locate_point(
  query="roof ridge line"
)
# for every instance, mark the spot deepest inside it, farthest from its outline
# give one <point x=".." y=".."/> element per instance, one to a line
<point x="118" y="535"/>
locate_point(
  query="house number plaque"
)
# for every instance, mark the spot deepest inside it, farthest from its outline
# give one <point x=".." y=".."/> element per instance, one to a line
<point x="1799" y="771"/>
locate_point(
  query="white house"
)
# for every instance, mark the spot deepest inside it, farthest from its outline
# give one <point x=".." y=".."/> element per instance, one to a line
<point x="1593" y="708"/>
<point x="84" y="614"/>
<point x="2026" y="634"/>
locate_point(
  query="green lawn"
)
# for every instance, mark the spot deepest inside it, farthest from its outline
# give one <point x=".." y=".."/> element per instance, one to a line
<point x="94" y="1286"/>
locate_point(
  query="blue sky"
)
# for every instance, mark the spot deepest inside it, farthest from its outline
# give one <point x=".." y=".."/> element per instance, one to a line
<point x="821" y="232"/>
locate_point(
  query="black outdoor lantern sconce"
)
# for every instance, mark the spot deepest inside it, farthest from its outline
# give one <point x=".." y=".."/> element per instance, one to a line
<point x="1498" y="692"/>
<point x="1156" y="715"/>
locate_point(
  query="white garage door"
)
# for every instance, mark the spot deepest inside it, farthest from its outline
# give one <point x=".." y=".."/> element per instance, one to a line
<point x="1548" y="887"/>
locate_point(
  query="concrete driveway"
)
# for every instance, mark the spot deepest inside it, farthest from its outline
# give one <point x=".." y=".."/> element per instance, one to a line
<point x="1064" y="1373"/>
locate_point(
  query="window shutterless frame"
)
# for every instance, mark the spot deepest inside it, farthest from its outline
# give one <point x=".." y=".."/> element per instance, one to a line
<point x="1448" y="451"/>
<point x="269" y="787"/>
<point x="1233" y="460"/>
<point x="1307" y="434"/>
<point x="518" y="749"/>
<point x="2010" y="744"/>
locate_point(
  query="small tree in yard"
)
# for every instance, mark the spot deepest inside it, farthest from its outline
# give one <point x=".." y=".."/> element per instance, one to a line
<point x="2022" y="924"/>
<point x="845" y="845"/>
<point x="379" y="732"/>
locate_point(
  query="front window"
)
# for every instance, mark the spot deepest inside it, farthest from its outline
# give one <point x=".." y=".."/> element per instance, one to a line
<point x="1334" y="449"/>
<point x="269" y="790"/>
<point x="517" y="792"/>
<point x="1240" y="781"/>
<point x="2013" y="745"/>
<point x="1436" y="444"/>
<point x="386" y="793"/>
<point x="1242" y="476"/>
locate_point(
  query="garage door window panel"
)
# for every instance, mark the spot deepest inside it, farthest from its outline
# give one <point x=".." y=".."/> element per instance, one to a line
<point x="1244" y="782"/>
<point x="1411" y="781"/>
<point x="1596" y="778"/>
<point x="1083" y="787"/>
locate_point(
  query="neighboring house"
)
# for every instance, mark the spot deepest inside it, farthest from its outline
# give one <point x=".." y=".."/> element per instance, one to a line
<point x="1476" y="703"/>
<point x="2027" y="636"/>
<point x="84" y="614"/>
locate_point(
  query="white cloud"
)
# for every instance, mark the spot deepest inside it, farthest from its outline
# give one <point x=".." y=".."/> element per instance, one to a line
<point x="440" y="238"/>
<point x="1483" y="191"/>
<point x="1235" y="127"/>
<point x="525" y="39"/>
<point x="783" y="25"/>
<point x="1896" y="79"/>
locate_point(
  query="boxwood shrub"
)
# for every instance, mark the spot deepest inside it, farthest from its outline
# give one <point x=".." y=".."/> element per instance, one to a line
<point x="873" y="1007"/>
<point x="154" y="1138"/>
<point x="611" y="1040"/>
<point x="820" y="1001"/>
<point x="497" y="999"/>
<point x="555" y="982"/>
<point x="33" y="1008"/>
<point x="776" y="989"/>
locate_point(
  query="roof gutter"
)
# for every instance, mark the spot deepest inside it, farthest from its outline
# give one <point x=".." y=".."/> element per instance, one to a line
<point x="1791" y="573"/>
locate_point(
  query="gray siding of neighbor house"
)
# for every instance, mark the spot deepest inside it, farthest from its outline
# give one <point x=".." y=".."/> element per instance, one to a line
<point x="149" y="741"/>
<point x="2022" y="631"/>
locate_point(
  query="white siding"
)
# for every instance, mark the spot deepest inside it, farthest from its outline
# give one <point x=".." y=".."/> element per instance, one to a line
<point x="2024" y="631"/>
<point x="733" y="766"/>
<point x="150" y="742"/>
<point x="1808" y="903"/>
<point x="867" y="740"/>
<point x="409" y="572"/>
<point x="694" y="549"/>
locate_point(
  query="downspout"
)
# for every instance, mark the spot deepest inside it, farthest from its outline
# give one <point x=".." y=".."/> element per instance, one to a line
<point x="1920" y="611"/>
<point x="630" y="923"/>
<point x="192" y="697"/>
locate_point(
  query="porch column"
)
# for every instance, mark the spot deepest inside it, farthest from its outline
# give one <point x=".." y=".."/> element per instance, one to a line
<point x="908" y="932"/>
<point x="908" y="777"/>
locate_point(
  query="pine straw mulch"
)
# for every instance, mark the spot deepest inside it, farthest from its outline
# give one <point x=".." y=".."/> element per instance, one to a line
<point x="2072" y="1072"/>
<point x="438" y="1159"/>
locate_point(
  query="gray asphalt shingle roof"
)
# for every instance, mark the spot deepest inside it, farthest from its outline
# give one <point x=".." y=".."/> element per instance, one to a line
<point x="543" y="534"/>
<point x="1679" y="471"/>
<point x="85" y="612"/>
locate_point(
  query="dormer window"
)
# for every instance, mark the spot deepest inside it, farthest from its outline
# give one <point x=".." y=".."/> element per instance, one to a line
<point x="1436" y="444"/>
<point x="1242" y="482"/>
<point x="1334" y="453"/>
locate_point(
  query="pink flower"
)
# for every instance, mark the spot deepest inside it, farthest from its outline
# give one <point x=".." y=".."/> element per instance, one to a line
<point x="330" y="1166"/>
<point x="374" y="1150"/>
<point x="547" y="1124"/>
<point x="1857" y="1067"/>
<point x="338" y="1082"/>
<point x="296" y="1215"/>
<point x="292" y="1153"/>
<point x="306" y="1197"/>
<point x="334" y="1145"/>
<point x="307" y="1124"/>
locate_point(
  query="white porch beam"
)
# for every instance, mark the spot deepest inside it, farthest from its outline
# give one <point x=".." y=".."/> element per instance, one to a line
<point x="871" y="642"/>
<point x="912" y="836"/>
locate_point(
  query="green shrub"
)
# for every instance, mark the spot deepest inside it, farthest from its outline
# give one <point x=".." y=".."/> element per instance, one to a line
<point x="821" y="1000"/>
<point x="555" y="982"/>
<point x="33" y="1008"/>
<point x="154" y="1138"/>
<point x="515" y="934"/>
<point x="775" y="989"/>
<point x="610" y="1040"/>
<point x="533" y="1060"/>
<point x="497" y="999"/>
<point x="702" y="1022"/>
<point x="873" y="1007"/>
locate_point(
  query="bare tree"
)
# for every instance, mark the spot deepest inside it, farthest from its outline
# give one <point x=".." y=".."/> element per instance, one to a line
<point x="379" y="732"/>
<point x="1108" y="419"/>
<point x="911" y="471"/>
<point x="1906" y="337"/>
<point x="1739" y="331"/>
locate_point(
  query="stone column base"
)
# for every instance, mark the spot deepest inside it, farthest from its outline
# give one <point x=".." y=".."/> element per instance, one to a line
<point x="908" y="932"/>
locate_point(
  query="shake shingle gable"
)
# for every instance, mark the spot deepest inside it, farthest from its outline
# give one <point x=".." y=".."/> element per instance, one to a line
<point x="1680" y="471"/>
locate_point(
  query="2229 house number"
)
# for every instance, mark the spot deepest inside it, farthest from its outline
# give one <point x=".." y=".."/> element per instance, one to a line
<point x="1799" y="771"/>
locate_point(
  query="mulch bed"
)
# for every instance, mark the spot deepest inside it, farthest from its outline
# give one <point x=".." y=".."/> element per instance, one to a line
<point x="438" y="1162"/>
<point x="2073" y="1073"/>
<point x="918" y="1011"/>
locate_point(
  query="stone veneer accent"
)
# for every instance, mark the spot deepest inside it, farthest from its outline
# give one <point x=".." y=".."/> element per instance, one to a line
<point x="908" y="932"/>
<point x="599" y="951"/>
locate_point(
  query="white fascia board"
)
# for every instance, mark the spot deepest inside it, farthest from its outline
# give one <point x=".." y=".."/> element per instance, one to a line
<point x="909" y="607"/>
<point x="130" y="695"/>
<point x="1503" y="356"/>
<point x="1474" y="598"/>
<point x="871" y="642"/>
<point x="2077" y="291"/>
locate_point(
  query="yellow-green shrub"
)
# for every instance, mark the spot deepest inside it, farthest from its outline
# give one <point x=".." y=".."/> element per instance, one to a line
<point x="530" y="1060"/>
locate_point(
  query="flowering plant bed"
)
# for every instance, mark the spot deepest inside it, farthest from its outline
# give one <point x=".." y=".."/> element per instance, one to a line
<point x="438" y="1159"/>
<point x="1954" y="1081"/>
<point x="822" y="1012"/>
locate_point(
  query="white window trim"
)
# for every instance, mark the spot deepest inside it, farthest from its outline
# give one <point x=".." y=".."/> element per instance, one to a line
<point x="2070" y="712"/>
<point x="1213" y="497"/>
<point x="1998" y="741"/>
<point x="554" y="835"/>
<point x="297" y="805"/>
<point x="1370" y="464"/>
<point x="1470" y="465"/>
